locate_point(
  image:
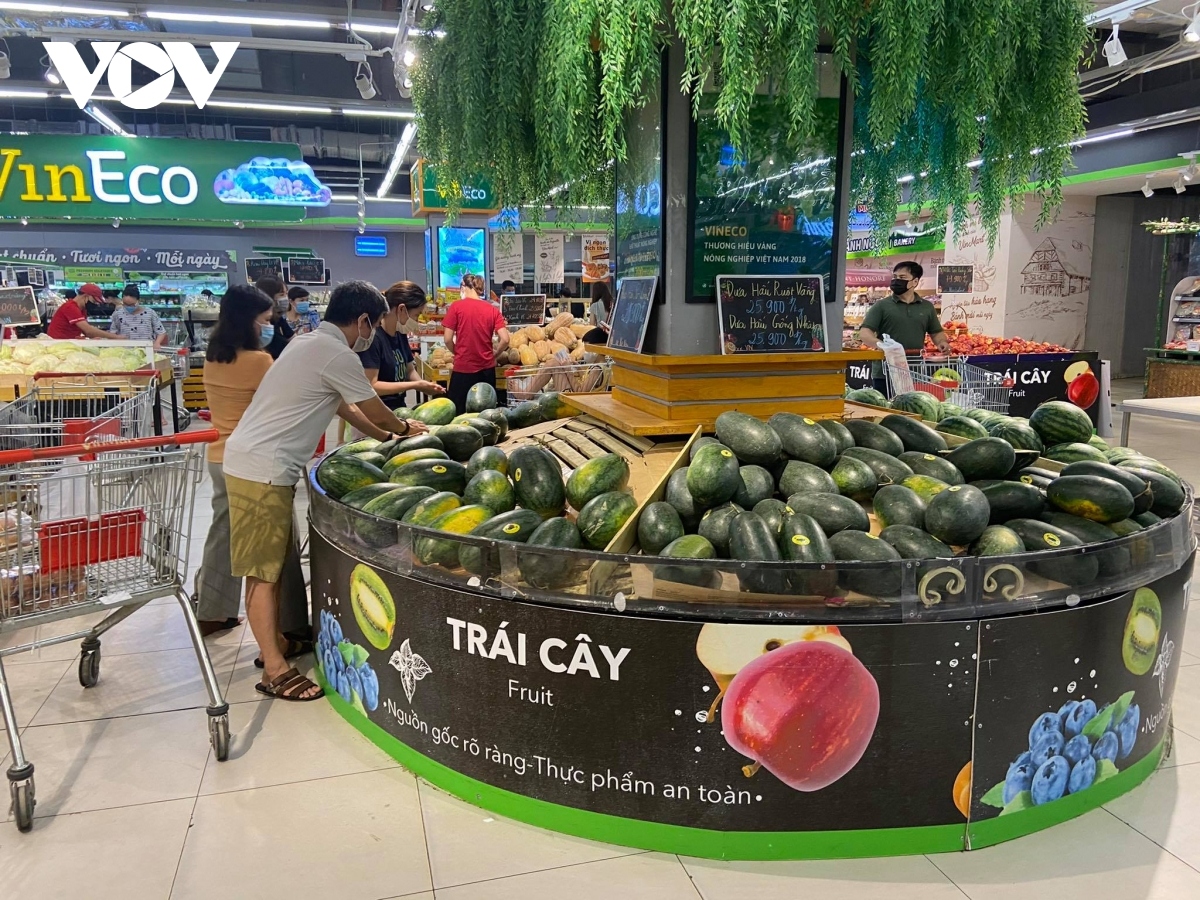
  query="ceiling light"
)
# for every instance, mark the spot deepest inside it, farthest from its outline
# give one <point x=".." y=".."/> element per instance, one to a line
<point x="1105" y="136"/>
<point x="1191" y="34"/>
<point x="1113" y="51"/>
<point x="409" y="57"/>
<point x="1147" y="191"/>
<point x="267" y="107"/>
<point x="18" y="93"/>
<point x="102" y="116"/>
<point x="365" y="81"/>
<point x="1179" y="184"/>
<point x="428" y="7"/>
<point x="24" y="220"/>
<point x="116" y="223"/>
<point x="376" y="29"/>
<point x="402" y="148"/>
<point x="378" y="113"/>
<point x="62" y="8"/>
<point x="5" y="64"/>
<point x="51" y="74"/>
<point x="237" y="19"/>
<point x="240" y="224"/>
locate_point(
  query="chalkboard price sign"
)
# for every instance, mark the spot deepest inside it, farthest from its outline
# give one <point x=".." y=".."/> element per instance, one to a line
<point x="306" y="270"/>
<point x="260" y="266"/>
<point x="631" y="315"/>
<point x="523" y="309"/>
<point x="18" y="307"/>
<point x="771" y="313"/>
<point x="955" y="279"/>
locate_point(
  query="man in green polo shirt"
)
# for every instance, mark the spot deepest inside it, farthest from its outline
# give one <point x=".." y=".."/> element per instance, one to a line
<point x="905" y="316"/>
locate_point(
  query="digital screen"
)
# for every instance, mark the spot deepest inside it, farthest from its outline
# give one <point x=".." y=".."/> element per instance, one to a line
<point x="460" y="252"/>
<point x="370" y="245"/>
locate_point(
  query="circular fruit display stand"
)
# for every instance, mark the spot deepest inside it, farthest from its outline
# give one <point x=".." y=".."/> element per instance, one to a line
<point x="752" y="710"/>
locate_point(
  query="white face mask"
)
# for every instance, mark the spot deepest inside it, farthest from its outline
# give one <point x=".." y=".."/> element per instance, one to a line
<point x="364" y="343"/>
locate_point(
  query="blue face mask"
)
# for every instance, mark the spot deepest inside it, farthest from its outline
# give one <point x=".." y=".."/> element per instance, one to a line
<point x="301" y="306"/>
<point x="266" y="334"/>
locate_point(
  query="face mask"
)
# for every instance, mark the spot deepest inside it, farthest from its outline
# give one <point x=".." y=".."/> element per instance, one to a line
<point x="899" y="286"/>
<point x="129" y="302"/>
<point x="363" y="343"/>
<point x="281" y="304"/>
<point x="301" y="306"/>
<point x="266" y="333"/>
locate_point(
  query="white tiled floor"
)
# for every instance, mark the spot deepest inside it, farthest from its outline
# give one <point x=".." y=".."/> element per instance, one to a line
<point x="133" y="806"/>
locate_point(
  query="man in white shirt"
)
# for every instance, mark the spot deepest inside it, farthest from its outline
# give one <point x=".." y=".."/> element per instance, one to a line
<point x="319" y="376"/>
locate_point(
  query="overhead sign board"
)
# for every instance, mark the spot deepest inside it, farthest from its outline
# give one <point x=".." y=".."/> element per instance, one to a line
<point x="477" y="195"/>
<point x="89" y="178"/>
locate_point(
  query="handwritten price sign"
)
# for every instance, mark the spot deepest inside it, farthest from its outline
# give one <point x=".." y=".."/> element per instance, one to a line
<point x="771" y="313"/>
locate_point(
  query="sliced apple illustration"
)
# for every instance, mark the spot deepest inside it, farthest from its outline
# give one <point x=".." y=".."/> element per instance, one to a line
<point x="726" y="648"/>
<point x="805" y="712"/>
<point x="1075" y="369"/>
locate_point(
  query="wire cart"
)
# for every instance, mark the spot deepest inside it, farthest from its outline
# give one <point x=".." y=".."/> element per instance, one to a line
<point x="62" y="410"/>
<point x="96" y="527"/>
<point x="526" y="382"/>
<point x="951" y="379"/>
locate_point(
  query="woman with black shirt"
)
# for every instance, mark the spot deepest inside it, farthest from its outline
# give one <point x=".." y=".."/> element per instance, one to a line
<point x="388" y="362"/>
<point x="277" y="291"/>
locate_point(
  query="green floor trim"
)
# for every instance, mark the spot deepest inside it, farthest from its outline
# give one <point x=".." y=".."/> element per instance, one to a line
<point x="986" y="832"/>
<point x="698" y="842"/>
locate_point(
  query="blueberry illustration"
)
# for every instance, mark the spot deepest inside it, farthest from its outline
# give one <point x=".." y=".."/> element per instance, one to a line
<point x="1065" y="710"/>
<point x="335" y="630"/>
<point x="1128" y="729"/>
<point x="1079" y="717"/>
<point x="328" y="664"/>
<point x="1019" y="778"/>
<point x="1023" y="759"/>
<point x="343" y="686"/>
<point x="1047" y="723"/>
<point x="1048" y="745"/>
<point x="1078" y="748"/>
<point x="1050" y="780"/>
<point x="370" y="685"/>
<point x="1083" y="773"/>
<point x="355" y="681"/>
<point x="1112" y="726"/>
<point x="1106" y="747"/>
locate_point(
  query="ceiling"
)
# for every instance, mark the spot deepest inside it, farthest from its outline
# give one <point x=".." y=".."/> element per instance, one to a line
<point x="292" y="78"/>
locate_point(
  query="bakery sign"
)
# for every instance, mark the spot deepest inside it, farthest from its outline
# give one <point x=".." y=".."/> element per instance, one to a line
<point x="100" y="178"/>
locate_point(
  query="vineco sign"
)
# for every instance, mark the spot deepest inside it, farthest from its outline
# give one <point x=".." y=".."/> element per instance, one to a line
<point x="166" y="61"/>
<point x="90" y="178"/>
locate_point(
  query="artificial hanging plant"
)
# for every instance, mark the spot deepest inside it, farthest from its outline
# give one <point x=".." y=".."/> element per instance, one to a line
<point x="951" y="96"/>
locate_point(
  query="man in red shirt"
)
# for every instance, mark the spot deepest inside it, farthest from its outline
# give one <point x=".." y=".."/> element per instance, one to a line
<point x="70" y="322"/>
<point x="468" y="328"/>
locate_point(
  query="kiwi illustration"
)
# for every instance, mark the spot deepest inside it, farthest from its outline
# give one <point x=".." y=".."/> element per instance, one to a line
<point x="1139" y="644"/>
<point x="374" y="609"/>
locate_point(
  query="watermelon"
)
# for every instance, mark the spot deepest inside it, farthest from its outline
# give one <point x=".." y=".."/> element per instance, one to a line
<point x="924" y="486"/>
<point x="401" y="459"/>
<point x="916" y="436"/>
<point x="1139" y="488"/>
<point x="603" y="516"/>
<point x="833" y="512"/>
<point x="525" y="414"/>
<point x="894" y="504"/>
<point x="713" y="478"/>
<point x="420" y="442"/>
<point x="460" y="441"/>
<point x="1073" y="571"/>
<point x="444" y="551"/>
<point x="1076" y="451"/>
<point x="840" y="433"/>
<point x="491" y="489"/>
<point x="552" y="569"/>
<point x="499" y="418"/>
<point x="927" y="406"/>
<point x="714" y="525"/>
<point x="658" y="525"/>
<point x="552" y="405"/>
<point x="359" y="498"/>
<point x="854" y="478"/>
<point x="515" y="526"/>
<point x="1018" y="434"/>
<point x="757" y="484"/>
<point x="803" y="439"/>
<point x="1013" y="500"/>
<point x="678" y="495"/>
<point x="962" y="427"/>
<point x="801" y="476"/>
<point x="887" y="468"/>
<point x="957" y="515"/>
<point x="774" y="513"/>
<point x="362" y="445"/>
<point x="934" y="466"/>
<point x="480" y="397"/>
<point x="753" y="540"/>
<point x="857" y="546"/>
<point x="340" y="473"/>
<point x="487" y="458"/>
<point x="981" y="458"/>
<point x="913" y="543"/>
<point x="869" y="396"/>
<point x="997" y="540"/>
<point x="390" y="507"/>
<point x="601" y="475"/>
<point x="868" y="434"/>
<point x="439" y="474"/>
<point x="487" y="429"/>
<point x="690" y="546"/>
<point x="430" y="508"/>
<point x="752" y="441"/>
<point x="1059" y="422"/>
<point x="438" y="411"/>
<point x="537" y="481"/>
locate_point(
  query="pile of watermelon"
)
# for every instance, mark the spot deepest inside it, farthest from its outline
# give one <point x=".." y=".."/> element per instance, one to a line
<point x="458" y="481"/>
<point x="795" y="489"/>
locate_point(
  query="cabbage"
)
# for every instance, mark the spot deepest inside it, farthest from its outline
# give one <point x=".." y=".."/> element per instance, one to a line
<point x="62" y="349"/>
<point x="28" y="351"/>
<point x="105" y="352"/>
<point x="6" y="352"/>
<point x="81" y="362"/>
<point x="7" y="367"/>
<point x="44" y="363"/>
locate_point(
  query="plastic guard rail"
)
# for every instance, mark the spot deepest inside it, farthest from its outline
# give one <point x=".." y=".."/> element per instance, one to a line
<point x="11" y="457"/>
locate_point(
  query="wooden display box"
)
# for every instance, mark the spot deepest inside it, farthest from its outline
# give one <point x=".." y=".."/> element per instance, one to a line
<point x="656" y="394"/>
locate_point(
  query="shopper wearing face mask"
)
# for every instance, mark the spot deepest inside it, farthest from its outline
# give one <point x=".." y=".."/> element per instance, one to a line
<point x="905" y="316"/>
<point x="388" y="362"/>
<point x="234" y="366"/>
<point x="300" y="315"/>
<point x="133" y="322"/>
<point x="274" y="288"/>
<point x="468" y="328"/>
<point x="319" y="376"/>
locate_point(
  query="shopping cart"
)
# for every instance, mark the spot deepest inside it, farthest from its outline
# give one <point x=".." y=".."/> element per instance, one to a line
<point x="526" y="382"/>
<point x="951" y="379"/>
<point x="64" y="410"/>
<point x="96" y="527"/>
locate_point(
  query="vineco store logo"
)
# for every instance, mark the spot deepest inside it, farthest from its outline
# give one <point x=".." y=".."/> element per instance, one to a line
<point x="166" y="61"/>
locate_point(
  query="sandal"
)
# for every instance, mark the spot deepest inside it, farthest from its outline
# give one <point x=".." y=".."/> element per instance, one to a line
<point x="295" y="647"/>
<point x="211" y="627"/>
<point x="291" y="685"/>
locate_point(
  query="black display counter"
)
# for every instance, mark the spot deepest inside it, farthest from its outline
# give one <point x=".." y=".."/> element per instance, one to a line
<point x="860" y="710"/>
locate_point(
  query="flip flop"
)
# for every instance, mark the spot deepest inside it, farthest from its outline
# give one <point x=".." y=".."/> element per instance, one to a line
<point x="295" y="648"/>
<point x="211" y="627"/>
<point x="291" y="685"/>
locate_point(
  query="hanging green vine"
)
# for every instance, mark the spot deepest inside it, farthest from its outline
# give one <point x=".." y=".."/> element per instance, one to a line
<point x="959" y="99"/>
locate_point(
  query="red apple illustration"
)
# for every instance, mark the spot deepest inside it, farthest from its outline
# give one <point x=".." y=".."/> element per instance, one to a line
<point x="805" y="712"/>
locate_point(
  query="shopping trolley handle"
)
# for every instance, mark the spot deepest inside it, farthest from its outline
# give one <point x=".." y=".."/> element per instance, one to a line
<point x="11" y="457"/>
<point x="144" y="373"/>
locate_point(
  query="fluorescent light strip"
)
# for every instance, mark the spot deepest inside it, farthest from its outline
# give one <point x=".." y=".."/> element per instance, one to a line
<point x="28" y="95"/>
<point x="106" y="120"/>
<point x="374" y="29"/>
<point x="353" y="198"/>
<point x="402" y="147"/>
<point x="1109" y="136"/>
<point x="378" y="113"/>
<point x="237" y="19"/>
<point x="62" y="8"/>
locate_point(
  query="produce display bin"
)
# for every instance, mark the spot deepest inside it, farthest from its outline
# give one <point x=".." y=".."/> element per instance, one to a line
<point x="624" y="698"/>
